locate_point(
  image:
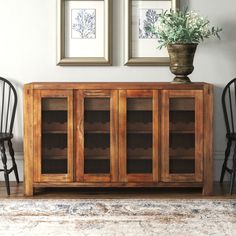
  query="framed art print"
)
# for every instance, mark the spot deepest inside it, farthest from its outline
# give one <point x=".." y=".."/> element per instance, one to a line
<point x="84" y="32"/>
<point x="140" y="44"/>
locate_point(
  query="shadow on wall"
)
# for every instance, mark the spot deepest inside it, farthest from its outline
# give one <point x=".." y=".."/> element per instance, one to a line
<point x="18" y="124"/>
<point x="220" y="130"/>
<point x="184" y="4"/>
<point x="228" y="45"/>
<point x="219" y="117"/>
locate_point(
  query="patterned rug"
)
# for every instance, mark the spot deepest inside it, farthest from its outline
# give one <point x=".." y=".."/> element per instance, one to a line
<point x="117" y="217"/>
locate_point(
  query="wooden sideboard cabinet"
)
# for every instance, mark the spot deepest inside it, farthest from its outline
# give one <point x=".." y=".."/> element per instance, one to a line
<point x="118" y="135"/>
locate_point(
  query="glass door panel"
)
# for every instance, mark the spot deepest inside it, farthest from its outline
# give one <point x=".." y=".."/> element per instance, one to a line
<point x="138" y="129"/>
<point x="182" y="130"/>
<point x="139" y="135"/>
<point x="54" y="135"/>
<point x="182" y="136"/>
<point x="97" y="135"/>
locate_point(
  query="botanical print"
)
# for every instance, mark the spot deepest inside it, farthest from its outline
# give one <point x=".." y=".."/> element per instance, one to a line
<point x="148" y="20"/>
<point x="83" y="23"/>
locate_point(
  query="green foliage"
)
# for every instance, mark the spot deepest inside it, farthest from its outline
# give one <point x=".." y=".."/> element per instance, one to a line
<point x="183" y="27"/>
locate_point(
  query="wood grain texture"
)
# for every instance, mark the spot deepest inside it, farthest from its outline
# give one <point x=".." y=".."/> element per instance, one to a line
<point x="70" y="136"/>
<point x="97" y="178"/>
<point x="139" y="178"/>
<point x="208" y="140"/>
<point x="139" y="93"/>
<point x="28" y="140"/>
<point x="118" y="85"/>
<point x="114" y="136"/>
<point x="119" y="184"/>
<point x="97" y="93"/>
<point x="164" y="135"/>
<point x="98" y="104"/>
<point x="118" y="93"/>
<point x="17" y="192"/>
<point x="54" y="105"/>
<point x="142" y="104"/>
<point x="122" y="136"/>
<point x="156" y="132"/>
<point x="37" y="135"/>
<point x="38" y="96"/>
<point x="79" y="147"/>
<point x="199" y="155"/>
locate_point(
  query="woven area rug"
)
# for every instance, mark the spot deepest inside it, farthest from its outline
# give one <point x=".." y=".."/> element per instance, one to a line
<point x="117" y="217"/>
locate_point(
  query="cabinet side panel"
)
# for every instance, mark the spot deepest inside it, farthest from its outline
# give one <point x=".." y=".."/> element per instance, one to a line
<point x="28" y="140"/>
<point x="37" y="135"/>
<point x="208" y="140"/>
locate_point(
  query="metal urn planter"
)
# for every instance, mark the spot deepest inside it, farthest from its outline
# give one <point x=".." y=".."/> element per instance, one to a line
<point x="181" y="61"/>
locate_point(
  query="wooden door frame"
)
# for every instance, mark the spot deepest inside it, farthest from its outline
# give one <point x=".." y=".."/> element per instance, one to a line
<point x="199" y="154"/>
<point x="37" y="134"/>
<point x="80" y="95"/>
<point x="123" y="176"/>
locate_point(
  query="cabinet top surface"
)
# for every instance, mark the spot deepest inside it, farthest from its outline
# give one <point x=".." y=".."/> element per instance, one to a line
<point x="115" y="85"/>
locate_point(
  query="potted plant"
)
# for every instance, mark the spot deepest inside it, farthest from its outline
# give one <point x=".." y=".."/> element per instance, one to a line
<point x="180" y="32"/>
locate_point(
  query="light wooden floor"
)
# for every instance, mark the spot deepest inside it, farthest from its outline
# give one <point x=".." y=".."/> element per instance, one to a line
<point x="220" y="192"/>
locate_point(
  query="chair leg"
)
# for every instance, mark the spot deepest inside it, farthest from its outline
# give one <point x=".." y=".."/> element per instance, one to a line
<point x="12" y="154"/>
<point x="232" y="179"/>
<point x="4" y="161"/>
<point x="227" y="152"/>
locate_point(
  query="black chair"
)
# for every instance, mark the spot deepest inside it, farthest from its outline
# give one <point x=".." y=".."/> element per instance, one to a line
<point x="229" y="109"/>
<point x="8" y="110"/>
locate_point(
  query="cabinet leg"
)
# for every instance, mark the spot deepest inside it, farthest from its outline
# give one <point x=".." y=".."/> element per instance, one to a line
<point x="207" y="190"/>
<point x="29" y="193"/>
<point x="28" y="190"/>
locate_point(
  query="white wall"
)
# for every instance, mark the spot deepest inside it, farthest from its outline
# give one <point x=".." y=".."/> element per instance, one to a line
<point x="28" y="53"/>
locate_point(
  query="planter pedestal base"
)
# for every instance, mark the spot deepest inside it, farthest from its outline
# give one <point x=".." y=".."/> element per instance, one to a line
<point x="181" y="80"/>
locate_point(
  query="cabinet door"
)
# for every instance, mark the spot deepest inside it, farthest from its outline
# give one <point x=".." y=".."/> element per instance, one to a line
<point x="53" y="136"/>
<point x="96" y="135"/>
<point x="182" y="136"/>
<point x="138" y="135"/>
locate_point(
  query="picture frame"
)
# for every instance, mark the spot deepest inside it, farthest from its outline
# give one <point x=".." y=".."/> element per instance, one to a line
<point x="84" y="32"/>
<point x="140" y="46"/>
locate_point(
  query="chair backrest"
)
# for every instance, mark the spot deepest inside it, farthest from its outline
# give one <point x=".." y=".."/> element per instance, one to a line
<point x="229" y="106"/>
<point x="8" y="103"/>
